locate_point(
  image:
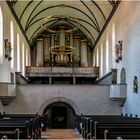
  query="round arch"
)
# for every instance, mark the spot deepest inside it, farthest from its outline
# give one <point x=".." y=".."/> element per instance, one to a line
<point x="123" y="76"/>
<point x="50" y="101"/>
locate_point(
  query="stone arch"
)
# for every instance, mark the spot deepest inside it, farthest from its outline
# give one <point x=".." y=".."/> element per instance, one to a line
<point x="123" y="76"/>
<point x="59" y="99"/>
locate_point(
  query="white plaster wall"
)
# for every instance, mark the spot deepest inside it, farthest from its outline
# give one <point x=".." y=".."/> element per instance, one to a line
<point x="127" y="23"/>
<point x="90" y="99"/>
<point x="7" y="17"/>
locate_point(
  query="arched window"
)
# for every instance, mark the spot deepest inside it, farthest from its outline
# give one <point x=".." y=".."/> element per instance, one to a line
<point x="97" y="57"/>
<point x="23" y="59"/>
<point x="123" y="76"/>
<point x="28" y="60"/>
<point x="18" y="53"/>
<point x="107" y="54"/>
<point x="94" y="60"/>
<point x="113" y="45"/>
<point x="27" y="57"/>
<point x="1" y="36"/>
<point x="101" y="60"/>
<point x="12" y="43"/>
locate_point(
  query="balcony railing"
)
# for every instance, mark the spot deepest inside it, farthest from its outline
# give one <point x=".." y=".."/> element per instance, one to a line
<point x="62" y="71"/>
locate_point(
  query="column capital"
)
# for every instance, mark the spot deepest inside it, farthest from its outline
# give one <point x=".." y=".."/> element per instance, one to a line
<point x="114" y="70"/>
<point x="83" y="42"/>
<point x="39" y="39"/>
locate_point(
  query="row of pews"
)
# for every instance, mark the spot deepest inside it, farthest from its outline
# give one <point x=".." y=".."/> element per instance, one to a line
<point x="22" y="126"/>
<point x="109" y="127"/>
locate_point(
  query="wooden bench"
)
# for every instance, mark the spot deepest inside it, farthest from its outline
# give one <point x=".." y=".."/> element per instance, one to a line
<point x="88" y="121"/>
<point x="14" y="130"/>
<point x="22" y="126"/>
<point x="93" y="125"/>
<point x="123" y="135"/>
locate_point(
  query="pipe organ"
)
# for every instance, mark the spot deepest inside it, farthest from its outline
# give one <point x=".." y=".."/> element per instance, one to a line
<point x="61" y="48"/>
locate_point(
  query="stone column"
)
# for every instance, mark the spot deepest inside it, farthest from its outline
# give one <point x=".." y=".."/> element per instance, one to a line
<point x="84" y="60"/>
<point x="52" y="44"/>
<point x="74" y="80"/>
<point x="62" y="38"/>
<point x="52" y="40"/>
<point x="50" y="80"/>
<point x="76" y="44"/>
<point x="46" y="49"/>
<point x="39" y="45"/>
<point x="71" y="39"/>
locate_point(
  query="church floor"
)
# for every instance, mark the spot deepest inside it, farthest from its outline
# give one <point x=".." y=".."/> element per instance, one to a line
<point x="61" y="134"/>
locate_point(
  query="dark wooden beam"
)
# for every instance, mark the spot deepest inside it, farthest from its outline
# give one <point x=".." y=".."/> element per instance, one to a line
<point x="107" y="22"/>
<point x="17" y="20"/>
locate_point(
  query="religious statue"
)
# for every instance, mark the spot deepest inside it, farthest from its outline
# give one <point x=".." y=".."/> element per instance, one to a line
<point x="118" y="51"/>
<point x="135" y="85"/>
<point x="8" y="49"/>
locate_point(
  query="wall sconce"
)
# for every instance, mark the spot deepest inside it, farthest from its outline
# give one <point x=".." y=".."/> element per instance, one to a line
<point x="118" y="51"/>
<point x="8" y="50"/>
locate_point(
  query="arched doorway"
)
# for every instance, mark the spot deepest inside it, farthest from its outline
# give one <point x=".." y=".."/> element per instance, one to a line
<point x="60" y="115"/>
<point x="123" y="76"/>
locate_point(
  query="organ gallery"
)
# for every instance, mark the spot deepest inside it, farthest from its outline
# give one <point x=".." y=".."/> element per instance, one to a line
<point x="63" y="45"/>
<point x="69" y="69"/>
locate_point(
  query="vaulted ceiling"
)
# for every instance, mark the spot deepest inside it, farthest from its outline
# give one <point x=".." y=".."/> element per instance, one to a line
<point x="92" y="16"/>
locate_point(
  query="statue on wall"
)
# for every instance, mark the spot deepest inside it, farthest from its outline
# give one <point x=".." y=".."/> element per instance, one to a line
<point x="8" y="49"/>
<point x="135" y="85"/>
<point x="118" y="51"/>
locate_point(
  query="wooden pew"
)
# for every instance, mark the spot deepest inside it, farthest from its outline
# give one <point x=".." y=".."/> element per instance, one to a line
<point x="123" y="135"/>
<point x="88" y="121"/>
<point x="14" y="130"/>
<point x="90" y="124"/>
<point x="29" y="125"/>
<point x="101" y="129"/>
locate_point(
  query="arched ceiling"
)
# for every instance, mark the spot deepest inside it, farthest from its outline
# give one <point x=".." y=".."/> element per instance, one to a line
<point x="92" y="16"/>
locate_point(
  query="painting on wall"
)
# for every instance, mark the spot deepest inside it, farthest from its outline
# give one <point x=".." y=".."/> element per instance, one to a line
<point x="135" y="84"/>
<point x="118" y="51"/>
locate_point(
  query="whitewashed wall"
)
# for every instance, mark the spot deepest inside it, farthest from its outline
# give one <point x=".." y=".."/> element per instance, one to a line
<point x="127" y="28"/>
<point x="5" y="68"/>
<point x="89" y="99"/>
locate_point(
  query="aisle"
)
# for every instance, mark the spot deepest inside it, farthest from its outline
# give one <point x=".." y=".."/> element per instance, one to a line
<point x="61" y="134"/>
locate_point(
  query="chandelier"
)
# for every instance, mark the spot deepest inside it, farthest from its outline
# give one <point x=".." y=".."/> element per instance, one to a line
<point x="63" y="54"/>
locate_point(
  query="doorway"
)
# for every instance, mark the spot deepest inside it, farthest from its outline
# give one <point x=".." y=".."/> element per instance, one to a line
<point x="60" y="116"/>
